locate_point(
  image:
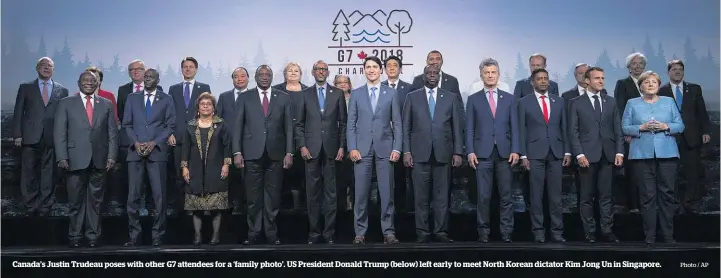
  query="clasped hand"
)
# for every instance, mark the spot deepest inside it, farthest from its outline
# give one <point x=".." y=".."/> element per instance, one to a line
<point x="144" y="149"/>
<point x="654" y="126"/>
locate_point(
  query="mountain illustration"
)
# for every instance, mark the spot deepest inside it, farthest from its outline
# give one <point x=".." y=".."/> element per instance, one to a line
<point x="377" y="17"/>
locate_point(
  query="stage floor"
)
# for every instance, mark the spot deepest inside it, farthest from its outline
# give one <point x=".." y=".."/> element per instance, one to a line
<point x="262" y="260"/>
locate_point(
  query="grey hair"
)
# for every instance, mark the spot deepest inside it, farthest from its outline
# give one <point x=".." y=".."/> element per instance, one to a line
<point x="632" y="56"/>
<point x="287" y="67"/>
<point x="136" y="61"/>
<point x="580" y="65"/>
<point x="44" y="59"/>
<point x="488" y="62"/>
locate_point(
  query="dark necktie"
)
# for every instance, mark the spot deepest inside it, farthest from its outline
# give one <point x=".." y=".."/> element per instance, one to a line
<point x="597" y="107"/>
<point x="266" y="103"/>
<point x="393" y="85"/>
<point x="186" y="94"/>
<point x="148" y="105"/>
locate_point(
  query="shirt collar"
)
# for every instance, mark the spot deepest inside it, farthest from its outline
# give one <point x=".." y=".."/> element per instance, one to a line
<point x="145" y="92"/>
<point x="539" y="95"/>
<point x="377" y="86"/>
<point x="260" y="91"/>
<point x="235" y="90"/>
<point x="435" y="90"/>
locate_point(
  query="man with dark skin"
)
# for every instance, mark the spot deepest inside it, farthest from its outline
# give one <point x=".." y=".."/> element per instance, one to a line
<point x="434" y="115"/>
<point x="263" y="144"/>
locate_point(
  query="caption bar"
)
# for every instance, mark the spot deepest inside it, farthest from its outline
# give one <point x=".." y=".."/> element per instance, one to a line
<point x="341" y="264"/>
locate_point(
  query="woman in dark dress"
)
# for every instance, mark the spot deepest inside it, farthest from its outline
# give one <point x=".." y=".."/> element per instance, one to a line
<point x="205" y="162"/>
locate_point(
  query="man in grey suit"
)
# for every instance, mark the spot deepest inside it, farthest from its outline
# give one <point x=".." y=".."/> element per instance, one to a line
<point x="597" y="142"/>
<point x="433" y="117"/>
<point x="374" y="137"/>
<point x="544" y="152"/>
<point x="525" y="87"/>
<point x="149" y="121"/>
<point x="86" y="146"/>
<point x="33" y="131"/>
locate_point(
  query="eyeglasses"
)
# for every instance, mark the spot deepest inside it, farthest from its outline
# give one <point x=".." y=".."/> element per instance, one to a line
<point x="320" y="69"/>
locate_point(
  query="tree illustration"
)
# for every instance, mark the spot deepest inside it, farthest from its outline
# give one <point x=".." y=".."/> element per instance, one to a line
<point x="399" y="22"/>
<point x="341" y="34"/>
<point x="521" y="71"/>
<point x="42" y="48"/>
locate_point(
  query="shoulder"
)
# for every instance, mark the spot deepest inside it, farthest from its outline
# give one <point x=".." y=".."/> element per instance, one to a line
<point x="201" y="85"/>
<point x="449" y="76"/>
<point x="29" y="83"/>
<point x="553" y="83"/>
<point x="228" y="92"/>
<point x="330" y="88"/>
<point x="665" y="99"/>
<point x="504" y="93"/>
<point x="359" y="90"/>
<point x="176" y="85"/>
<point x="70" y="98"/>
<point x="60" y="86"/>
<point x="692" y="85"/>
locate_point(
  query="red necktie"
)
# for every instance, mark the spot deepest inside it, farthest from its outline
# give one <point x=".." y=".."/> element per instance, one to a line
<point x="545" y="109"/>
<point x="89" y="109"/>
<point x="265" y="103"/>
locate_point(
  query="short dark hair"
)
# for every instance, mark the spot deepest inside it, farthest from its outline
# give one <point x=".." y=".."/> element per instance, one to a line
<point x="536" y="71"/>
<point x="434" y="51"/>
<point x="587" y="74"/>
<point x="374" y="59"/>
<point x="233" y="73"/>
<point x="398" y="60"/>
<point x="195" y="62"/>
<point x="99" y="72"/>
<point x="676" y="62"/>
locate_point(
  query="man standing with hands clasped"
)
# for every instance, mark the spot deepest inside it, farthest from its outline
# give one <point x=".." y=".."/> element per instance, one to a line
<point x="597" y="143"/>
<point x="86" y="146"/>
<point x="371" y="139"/>
<point x="432" y="142"/>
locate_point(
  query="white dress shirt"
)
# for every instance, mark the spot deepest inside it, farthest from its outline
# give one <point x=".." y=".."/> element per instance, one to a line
<point x="260" y="94"/>
<point x="142" y="87"/>
<point x="153" y="95"/>
<point x="190" y="86"/>
<point x="434" y="96"/>
<point x="85" y="100"/>
<point x="673" y="89"/>
<point x="236" y="91"/>
<point x="581" y="90"/>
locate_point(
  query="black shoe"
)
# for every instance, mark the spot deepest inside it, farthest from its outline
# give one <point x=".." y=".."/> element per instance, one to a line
<point x="650" y="241"/>
<point x="93" y="244"/>
<point x="157" y="242"/>
<point x="483" y="238"/>
<point x="558" y="239"/>
<point x="610" y="237"/>
<point x="131" y="243"/>
<point x="506" y="238"/>
<point x="590" y="238"/>
<point x="539" y="239"/>
<point x="74" y="244"/>
<point x="250" y="241"/>
<point x="273" y="240"/>
<point x="390" y="239"/>
<point x="669" y="239"/>
<point x="423" y="239"/>
<point x="329" y="240"/>
<point x="313" y="240"/>
<point x="215" y="239"/>
<point x="443" y="238"/>
<point x="198" y="240"/>
<point x="359" y="240"/>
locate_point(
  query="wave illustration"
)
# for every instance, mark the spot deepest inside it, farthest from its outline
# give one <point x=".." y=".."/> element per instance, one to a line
<point x="375" y="40"/>
<point x="369" y="34"/>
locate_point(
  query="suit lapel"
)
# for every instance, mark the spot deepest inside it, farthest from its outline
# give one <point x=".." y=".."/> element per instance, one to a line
<point x="195" y="93"/>
<point x="686" y="97"/>
<point x="634" y="88"/>
<point x="80" y="103"/>
<point x="95" y="110"/>
<point x="381" y="98"/>
<point x="330" y="97"/>
<point x="556" y="108"/>
<point x="606" y="107"/>
<point x="486" y="104"/>
<point x="315" y="101"/>
<point x="536" y="106"/>
<point x="271" y="102"/>
<point x="591" y="109"/>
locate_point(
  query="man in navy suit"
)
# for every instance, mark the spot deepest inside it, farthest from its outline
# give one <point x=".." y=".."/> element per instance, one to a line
<point x="402" y="187"/>
<point x="374" y="138"/>
<point x="433" y="117"/>
<point x="597" y="142"/>
<point x="544" y="152"/>
<point x="148" y="121"/>
<point x="184" y="94"/>
<point x="492" y="145"/>
<point x="263" y="145"/>
<point x="227" y="108"/>
<point x="525" y="87"/>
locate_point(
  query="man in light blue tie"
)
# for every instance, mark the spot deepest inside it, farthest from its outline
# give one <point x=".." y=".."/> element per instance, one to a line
<point x="373" y="140"/>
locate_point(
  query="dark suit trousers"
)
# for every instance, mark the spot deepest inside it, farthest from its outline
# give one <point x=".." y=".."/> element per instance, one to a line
<point x="431" y="194"/>
<point x="628" y="189"/>
<point x="157" y="175"/>
<point x="403" y="187"/>
<point x="363" y="175"/>
<point x="486" y="170"/>
<point x="85" y="196"/>
<point x="346" y="181"/>
<point x="546" y="174"/>
<point x="263" y="181"/>
<point x="294" y="182"/>
<point x="38" y="176"/>
<point x="690" y="165"/>
<point x="596" y="177"/>
<point x="237" y="188"/>
<point x="321" y="194"/>
<point x="656" y="181"/>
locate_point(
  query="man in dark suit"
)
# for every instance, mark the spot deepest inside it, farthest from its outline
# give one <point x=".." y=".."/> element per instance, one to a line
<point x="185" y="95"/>
<point x="85" y="145"/>
<point x="374" y="133"/>
<point x="149" y="120"/>
<point x="227" y="108"/>
<point x="492" y="145"/>
<point x="136" y="71"/>
<point x="525" y="87"/>
<point x="625" y="90"/>
<point x="690" y="102"/>
<point x="433" y="117"/>
<point x="320" y="134"/>
<point x="594" y="131"/>
<point x="33" y="115"/>
<point x="263" y="144"/>
<point x="403" y="194"/>
<point x="544" y="151"/>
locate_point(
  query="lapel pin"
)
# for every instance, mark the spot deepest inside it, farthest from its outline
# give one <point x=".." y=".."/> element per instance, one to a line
<point x="604" y="100"/>
<point x="274" y="95"/>
<point x="553" y="100"/>
<point x="403" y="87"/>
<point x="198" y="86"/>
<point x="500" y="96"/>
<point x="441" y="95"/>
<point x="384" y="92"/>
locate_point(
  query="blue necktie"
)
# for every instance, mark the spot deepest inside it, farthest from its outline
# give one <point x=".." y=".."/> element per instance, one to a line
<point x="321" y="99"/>
<point x="147" y="106"/>
<point x="373" y="99"/>
<point x="186" y="94"/>
<point x="431" y="103"/>
<point x="679" y="98"/>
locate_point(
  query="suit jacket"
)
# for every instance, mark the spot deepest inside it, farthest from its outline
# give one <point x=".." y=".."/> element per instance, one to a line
<point x="295" y="97"/>
<point x="123" y="92"/>
<point x="442" y="135"/>
<point x="185" y="114"/>
<point x="538" y="138"/>
<point x="402" y="90"/>
<point x="625" y="90"/>
<point x="255" y="134"/>
<point x="315" y="129"/>
<point x="32" y="119"/>
<point x="228" y="107"/>
<point x="80" y="142"/>
<point x="594" y="137"/>
<point x="524" y="88"/>
<point x="158" y="127"/>
<point x="368" y="128"/>
<point x="573" y="93"/>
<point x="483" y="131"/>
<point x="693" y="112"/>
<point x="647" y="145"/>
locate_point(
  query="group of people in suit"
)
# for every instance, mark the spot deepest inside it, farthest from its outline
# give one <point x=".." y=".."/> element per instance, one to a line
<point x="388" y="129"/>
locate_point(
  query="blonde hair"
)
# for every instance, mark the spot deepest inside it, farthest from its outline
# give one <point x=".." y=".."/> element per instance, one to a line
<point x="291" y="64"/>
<point x="647" y="75"/>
